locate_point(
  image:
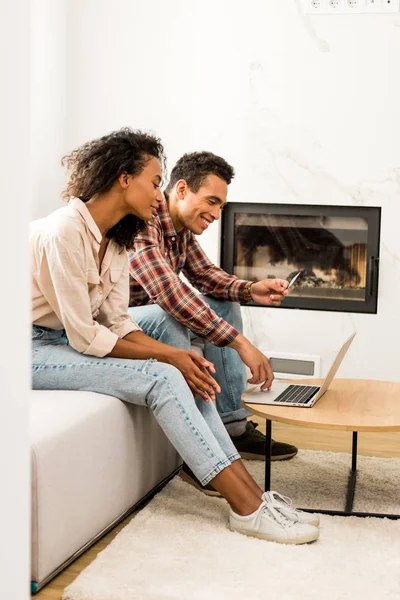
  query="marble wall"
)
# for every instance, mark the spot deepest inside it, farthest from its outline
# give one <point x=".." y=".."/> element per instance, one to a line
<point x="306" y="108"/>
<point x="319" y="116"/>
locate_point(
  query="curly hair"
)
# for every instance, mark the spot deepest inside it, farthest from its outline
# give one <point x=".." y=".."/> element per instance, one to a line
<point x="195" y="167"/>
<point x="94" y="167"/>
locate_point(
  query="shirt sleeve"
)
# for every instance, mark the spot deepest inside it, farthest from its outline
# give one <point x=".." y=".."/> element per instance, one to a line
<point x="61" y="276"/>
<point x="208" y="278"/>
<point x="149" y="267"/>
<point x="113" y="313"/>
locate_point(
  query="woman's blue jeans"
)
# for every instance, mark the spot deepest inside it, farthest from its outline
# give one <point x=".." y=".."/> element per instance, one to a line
<point x="192" y="425"/>
<point x="230" y="370"/>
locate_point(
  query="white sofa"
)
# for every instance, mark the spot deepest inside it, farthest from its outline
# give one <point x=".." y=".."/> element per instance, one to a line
<point x="93" y="459"/>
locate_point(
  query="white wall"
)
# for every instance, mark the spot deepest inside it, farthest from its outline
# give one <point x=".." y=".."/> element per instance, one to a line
<point x="305" y="108"/>
<point x="14" y="300"/>
<point x="49" y="97"/>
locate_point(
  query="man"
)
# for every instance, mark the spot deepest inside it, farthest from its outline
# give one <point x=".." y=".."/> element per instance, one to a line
<point x="169" y="310"/>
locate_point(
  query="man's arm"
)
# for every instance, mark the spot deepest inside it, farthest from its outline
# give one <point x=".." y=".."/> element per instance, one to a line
<point x="150" y="268"/>
<point x="210" y="279"/>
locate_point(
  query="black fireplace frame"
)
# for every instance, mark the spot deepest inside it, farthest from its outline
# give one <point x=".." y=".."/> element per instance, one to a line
<point x="371" y="213"/>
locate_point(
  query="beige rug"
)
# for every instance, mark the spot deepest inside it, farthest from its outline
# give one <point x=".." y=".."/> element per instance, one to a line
<point x="178" y="547"/>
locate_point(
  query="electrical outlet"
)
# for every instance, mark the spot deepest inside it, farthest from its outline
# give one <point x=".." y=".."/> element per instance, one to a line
<point x="315" y="5"/>
<point x="354" y="6"/>
<point x="349" y="7"/>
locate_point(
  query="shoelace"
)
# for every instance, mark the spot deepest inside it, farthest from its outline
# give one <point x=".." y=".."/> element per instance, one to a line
<point x="276" y="514"/>
<point x="283" y="499"/>
<point x="280" y="502"/>
<point x="256" y="432"/>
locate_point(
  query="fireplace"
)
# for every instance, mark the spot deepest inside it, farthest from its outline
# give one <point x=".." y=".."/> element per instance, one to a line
<point x="335" y="247"/>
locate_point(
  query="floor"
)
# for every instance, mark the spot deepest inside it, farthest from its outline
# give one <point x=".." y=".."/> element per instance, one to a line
<point x="373" y="444"/>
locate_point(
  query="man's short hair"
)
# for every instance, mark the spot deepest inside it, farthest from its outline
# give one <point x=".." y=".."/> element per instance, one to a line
<point x="195" y="167"/>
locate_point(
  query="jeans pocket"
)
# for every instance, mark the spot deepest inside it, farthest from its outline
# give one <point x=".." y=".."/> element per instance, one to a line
<point x="37" y="332"/>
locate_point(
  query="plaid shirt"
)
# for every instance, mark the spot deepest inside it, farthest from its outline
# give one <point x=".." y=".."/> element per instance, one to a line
<point x="159" y="256"/>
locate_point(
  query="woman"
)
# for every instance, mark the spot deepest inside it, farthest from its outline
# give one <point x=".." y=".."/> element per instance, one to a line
<point x="83" y="338"/>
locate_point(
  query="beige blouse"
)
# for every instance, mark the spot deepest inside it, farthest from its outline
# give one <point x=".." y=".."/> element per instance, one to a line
<point x="68" y="291"/>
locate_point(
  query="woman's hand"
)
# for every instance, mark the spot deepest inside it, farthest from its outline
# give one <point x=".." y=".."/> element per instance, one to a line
<point x="194" y="368"/>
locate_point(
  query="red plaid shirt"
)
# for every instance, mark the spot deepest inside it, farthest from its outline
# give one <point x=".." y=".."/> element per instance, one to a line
<point x="159" y="256"/>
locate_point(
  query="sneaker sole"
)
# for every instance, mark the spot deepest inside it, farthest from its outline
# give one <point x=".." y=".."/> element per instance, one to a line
<point x="189" y="480"/>
<point x="301" y="540"/>
<point x="249" y="456"/>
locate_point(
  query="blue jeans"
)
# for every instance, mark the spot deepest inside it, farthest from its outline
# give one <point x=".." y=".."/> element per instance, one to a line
<point x="193" y="426"/>
<point x="230" y="370"/>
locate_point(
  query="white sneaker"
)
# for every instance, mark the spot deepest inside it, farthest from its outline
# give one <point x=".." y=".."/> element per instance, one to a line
<point x="270" y="524"/>
<point x="284" y="505"/>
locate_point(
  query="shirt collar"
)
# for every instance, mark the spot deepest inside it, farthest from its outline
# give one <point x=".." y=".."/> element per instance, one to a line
<point x="166" y="221"/>
<point x="84" y="212"/>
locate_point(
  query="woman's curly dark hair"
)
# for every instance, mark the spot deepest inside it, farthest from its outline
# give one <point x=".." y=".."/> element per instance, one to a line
<point x="94" y="167"/>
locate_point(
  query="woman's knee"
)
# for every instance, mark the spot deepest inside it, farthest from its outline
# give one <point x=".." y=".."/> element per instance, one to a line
<point x="169" y="377"/>
<point x="169" y="384"/>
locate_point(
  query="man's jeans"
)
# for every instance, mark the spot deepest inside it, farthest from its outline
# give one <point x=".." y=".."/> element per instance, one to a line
<point x="230" y="370"/>
<point x="193" y="426"/>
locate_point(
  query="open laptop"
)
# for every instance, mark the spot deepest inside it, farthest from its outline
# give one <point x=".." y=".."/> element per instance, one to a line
<point x="287" y="394"/>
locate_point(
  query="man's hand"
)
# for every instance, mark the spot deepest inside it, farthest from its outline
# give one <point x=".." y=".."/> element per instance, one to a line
<point x="194" y="368"/>
<point x="258" y="364"/>
<point x="269" y="292"/>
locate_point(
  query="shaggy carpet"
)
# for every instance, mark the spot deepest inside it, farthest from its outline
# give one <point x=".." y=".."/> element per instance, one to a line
<point x="179" y="548"/>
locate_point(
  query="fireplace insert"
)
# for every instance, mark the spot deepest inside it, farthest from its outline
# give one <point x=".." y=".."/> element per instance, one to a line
<point x="336" y="248"/>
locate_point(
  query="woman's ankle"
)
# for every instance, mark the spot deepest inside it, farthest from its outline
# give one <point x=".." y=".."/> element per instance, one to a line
<point x="241" y="498"/>
<point x="244" y="510"/>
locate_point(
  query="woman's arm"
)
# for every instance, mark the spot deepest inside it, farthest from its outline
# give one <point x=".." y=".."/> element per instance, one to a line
<point x="60" y="272"/>
<point x="138" y="345"/>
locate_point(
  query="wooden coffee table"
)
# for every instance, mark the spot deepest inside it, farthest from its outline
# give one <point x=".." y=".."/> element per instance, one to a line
<point x="350" y="405"/>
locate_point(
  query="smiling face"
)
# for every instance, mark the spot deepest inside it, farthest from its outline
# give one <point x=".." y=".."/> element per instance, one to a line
<point x="197" y="210"/>
<point x="142" y="192"/>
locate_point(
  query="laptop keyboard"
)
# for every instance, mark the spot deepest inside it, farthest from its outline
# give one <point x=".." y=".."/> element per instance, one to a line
<point x="297" y="394"/>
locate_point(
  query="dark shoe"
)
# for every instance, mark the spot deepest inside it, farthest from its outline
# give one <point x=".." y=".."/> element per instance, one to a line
<point x="252" y="443"/>
<point x="188" y="476"/>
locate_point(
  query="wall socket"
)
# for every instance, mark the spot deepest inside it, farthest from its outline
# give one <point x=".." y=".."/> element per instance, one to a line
<point x="354" y="5"/>
<point x="316" y="6"/>
<point x="334" y="5"/>
<point x="348" y="7"/>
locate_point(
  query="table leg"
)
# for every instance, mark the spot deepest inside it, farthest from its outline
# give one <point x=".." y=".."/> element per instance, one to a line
<point x="268" y="456"/>
<point x="352" y="476"/>
<point x="348" y="511"/>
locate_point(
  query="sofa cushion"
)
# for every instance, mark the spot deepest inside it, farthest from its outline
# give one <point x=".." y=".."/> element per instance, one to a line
<point x="93" y="457"/>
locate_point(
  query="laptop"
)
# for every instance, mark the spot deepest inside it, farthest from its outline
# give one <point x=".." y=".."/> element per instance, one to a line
<point x="287" y="394"/>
